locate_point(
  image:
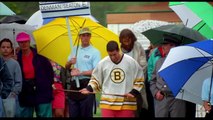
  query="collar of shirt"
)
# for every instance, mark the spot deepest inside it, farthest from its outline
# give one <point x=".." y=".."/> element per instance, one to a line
<point x="85" y="48"/>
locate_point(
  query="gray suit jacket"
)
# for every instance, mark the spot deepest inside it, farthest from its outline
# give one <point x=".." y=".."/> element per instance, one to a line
<point x="157" y="83"/>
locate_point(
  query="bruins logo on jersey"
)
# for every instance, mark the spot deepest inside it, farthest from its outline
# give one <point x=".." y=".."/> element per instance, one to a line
<point x="117" y="75"/>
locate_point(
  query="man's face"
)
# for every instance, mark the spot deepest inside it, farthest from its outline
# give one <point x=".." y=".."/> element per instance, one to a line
<point x="127" y="43"/>
<point x="114" y="56"/>
<point x="6" y="48"/>
<point x="24" y="45"/>
<point x="85" y="39"/>
<point x="167" y="47"/>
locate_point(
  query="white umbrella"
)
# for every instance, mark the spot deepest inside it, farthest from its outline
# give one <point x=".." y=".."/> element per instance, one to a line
<point x="36" y="19"/>
<point x="12" y="29"/>
<point x="186" y="67"/>
<point x="144" y="25"/>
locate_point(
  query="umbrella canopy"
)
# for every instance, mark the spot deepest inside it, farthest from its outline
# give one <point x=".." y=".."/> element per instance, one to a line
<point x="13" y="19"/>
<point x="52" y="39"/>
<point x="4" y="10"/>
<point x="144" y="25"/>
<point x="196" y="15"/>
<point x="37" y="21"/>
<point x="12" y="29"/>
<point x="186" y="67"/>
<point x="179" y="31"/>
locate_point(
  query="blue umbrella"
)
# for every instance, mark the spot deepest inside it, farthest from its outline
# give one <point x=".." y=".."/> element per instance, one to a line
<point x="186" y="67"/>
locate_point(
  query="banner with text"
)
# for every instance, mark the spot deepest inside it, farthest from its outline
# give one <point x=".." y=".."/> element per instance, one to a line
<point x="63" y="9"/>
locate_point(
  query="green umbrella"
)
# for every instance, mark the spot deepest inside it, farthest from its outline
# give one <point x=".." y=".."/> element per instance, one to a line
<point x="196" y="15"/>
<point x="4" y="10"/>
<point x="184" y="34"/>
<point x="204" y="29"/>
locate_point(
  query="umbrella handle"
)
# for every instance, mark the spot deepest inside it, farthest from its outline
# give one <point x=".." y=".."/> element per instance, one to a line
<point x="14" y="50"/>
<point x="69" y="33"/>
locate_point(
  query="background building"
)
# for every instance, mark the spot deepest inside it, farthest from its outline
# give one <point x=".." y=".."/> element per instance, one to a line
<point x="116" y="21"/>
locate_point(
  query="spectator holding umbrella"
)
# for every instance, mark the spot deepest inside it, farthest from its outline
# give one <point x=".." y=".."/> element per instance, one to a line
<point x="165" y="103"/>
<point x="87" y="58"/>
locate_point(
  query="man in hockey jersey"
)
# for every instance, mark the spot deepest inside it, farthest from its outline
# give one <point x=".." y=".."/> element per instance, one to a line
<point x="120" y="78"/>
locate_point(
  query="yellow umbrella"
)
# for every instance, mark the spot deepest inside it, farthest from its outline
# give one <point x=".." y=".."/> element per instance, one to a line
<point x="52" y="40"/>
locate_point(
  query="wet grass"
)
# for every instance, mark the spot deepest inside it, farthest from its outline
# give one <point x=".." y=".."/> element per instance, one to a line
<point x="98" y="111"/>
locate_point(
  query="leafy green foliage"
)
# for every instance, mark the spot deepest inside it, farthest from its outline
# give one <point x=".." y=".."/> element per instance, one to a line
<point x="25" y="9"/>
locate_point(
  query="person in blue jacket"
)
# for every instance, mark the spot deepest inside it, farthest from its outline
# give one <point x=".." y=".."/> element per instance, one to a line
<point x="6" y="83"/>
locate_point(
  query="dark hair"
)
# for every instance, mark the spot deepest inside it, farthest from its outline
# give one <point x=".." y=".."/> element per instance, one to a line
<point x="6" y="40"/>
<point x="112" y="46"/>
<point x="171" y="39"/>
<point x="127" y="33"/>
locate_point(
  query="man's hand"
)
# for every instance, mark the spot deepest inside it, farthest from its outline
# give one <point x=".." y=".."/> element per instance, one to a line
<point x="206" y="106"/>
<point x="13" y="94"/>
<point x="75" y="72"/>
<point x="84" y="91"/>
<point x="159" y="96"/>
<point x="129" y="95"/>
<point x="71" y="62"/>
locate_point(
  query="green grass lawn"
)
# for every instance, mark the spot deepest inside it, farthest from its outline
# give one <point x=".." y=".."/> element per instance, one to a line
<point x="98" y="111"/>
